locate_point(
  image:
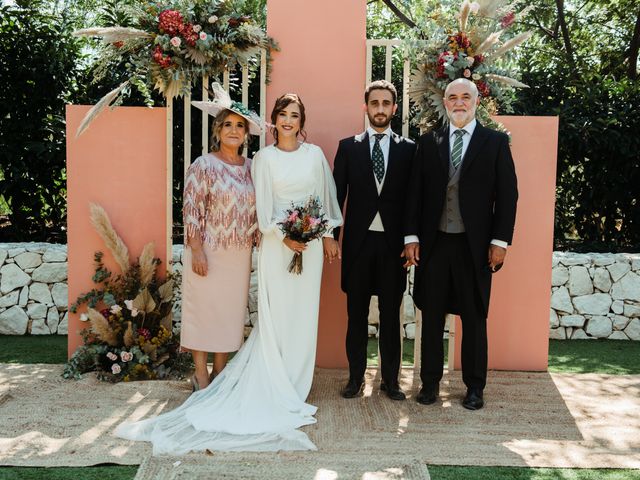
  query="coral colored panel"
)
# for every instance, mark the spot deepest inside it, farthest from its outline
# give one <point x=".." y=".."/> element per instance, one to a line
<point x="120" y="163"/>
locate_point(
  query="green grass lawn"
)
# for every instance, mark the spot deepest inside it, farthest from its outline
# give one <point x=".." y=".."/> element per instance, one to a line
<point x="589" y="356"/>
<point x="439" y="472"/>
<point x="111" y="472"/>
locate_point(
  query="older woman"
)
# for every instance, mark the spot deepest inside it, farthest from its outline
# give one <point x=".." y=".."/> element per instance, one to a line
<point x="220" y="220"/>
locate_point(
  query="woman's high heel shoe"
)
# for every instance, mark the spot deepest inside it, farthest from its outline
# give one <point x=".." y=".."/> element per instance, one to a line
<point x="195" y="386"/>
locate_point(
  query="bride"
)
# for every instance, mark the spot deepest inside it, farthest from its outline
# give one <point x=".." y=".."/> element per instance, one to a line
<point x="258" y="401"/>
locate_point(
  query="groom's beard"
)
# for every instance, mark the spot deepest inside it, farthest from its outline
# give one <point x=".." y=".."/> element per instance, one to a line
<point x="379" y="121"/>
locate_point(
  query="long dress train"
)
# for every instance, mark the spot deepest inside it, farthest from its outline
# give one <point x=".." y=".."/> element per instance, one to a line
<point x="258" y="401"/>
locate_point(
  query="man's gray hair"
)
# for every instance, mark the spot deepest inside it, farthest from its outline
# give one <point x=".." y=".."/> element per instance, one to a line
<point x="464" y="81"/>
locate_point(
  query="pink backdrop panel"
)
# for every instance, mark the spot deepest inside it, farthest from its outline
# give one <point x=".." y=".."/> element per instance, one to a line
<point x="322" y="59"/>
<point x="119" y="163"/>
<point x="518" y="322"/>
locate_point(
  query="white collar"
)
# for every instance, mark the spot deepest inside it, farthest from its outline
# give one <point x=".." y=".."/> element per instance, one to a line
<point x="469" y="128"/>
<point x="372" y="132"/>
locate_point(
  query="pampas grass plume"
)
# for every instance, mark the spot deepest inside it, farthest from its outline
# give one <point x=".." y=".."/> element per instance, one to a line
<point x="100" y="326"/>
<point x="147" y="264"/>
<point x="102" y="225"/>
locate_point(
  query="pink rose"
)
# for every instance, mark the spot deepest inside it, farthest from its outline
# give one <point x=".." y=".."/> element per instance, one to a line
<point x="115" y="369"/>
<point x="467" y="73"/>
<point x="112" y="356"/>
<point x="175" y="41"/>
<point x="203" y="36"/>
<point x="197" y="28"/>
<point x="126" y="356"/>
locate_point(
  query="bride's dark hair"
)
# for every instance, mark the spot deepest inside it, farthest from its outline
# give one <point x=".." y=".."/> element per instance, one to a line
<point x="282" y="103"/>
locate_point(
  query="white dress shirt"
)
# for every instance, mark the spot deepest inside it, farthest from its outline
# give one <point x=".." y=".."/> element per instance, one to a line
<point x="466" y="138"/>
<point x="376" y="224"/>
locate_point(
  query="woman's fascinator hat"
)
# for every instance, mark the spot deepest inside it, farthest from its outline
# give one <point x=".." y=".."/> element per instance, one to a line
<point x="222" y="101"/>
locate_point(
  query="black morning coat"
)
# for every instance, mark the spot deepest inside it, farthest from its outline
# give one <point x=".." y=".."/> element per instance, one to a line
<point x="488" y="195"/>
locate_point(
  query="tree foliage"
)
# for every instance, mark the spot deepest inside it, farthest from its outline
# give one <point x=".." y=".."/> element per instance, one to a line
<point x="38" y="72"/>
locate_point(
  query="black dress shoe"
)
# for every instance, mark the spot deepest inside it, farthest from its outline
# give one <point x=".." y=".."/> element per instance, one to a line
<point x="473" y="399"/>
<point x="393" y="392"/>
<point x="352" y="389"/>
<point x="428" y="394"/>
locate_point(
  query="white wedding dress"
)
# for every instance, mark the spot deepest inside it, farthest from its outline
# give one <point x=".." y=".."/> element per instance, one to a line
<point x="258" y="401"/>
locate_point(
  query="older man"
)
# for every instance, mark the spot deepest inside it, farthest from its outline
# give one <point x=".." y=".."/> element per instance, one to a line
<point x="459" y="221"/>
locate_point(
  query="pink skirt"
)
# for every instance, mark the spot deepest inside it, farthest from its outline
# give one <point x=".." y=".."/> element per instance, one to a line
<point x="214" y="307"/>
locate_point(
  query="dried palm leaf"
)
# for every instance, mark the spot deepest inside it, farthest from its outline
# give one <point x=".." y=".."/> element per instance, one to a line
<point x="167" y="322"/>
<point x="196" y="56"/>
<point x="147" y="264"/>
<point x="100" y="327"/>
<point x="128" y="338"/>
<point x="144" y="301"/>
<point x="97" y="109"/>
<point x="166" y="291"/>
<point x="465" y="9"/>
<point x="169" y="88"/>
<point x="102" y="224"/>
<point x="112" y="34"/>
<point x="506" y="80"/>
<point x="488" y="42"/>
<point x="512" y="43"/>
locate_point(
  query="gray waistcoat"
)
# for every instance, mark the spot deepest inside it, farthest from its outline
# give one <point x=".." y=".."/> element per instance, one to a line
<point x="451" y="220"/>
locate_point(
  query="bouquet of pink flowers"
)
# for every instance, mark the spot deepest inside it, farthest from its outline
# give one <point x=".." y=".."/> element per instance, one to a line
<point x="303" y="223"/>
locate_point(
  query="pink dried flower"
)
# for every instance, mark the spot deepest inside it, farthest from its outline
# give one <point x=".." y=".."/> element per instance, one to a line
<point x="203" y="36"/>
<point x="175" y="41"/>
<point x="145" y="333"/>
<point x="126" y="356"/>
<point x="115" y="369"/>
<point x="112" y="356"/>
<point x="508" y="19"/>
<point x="467" y="73"/>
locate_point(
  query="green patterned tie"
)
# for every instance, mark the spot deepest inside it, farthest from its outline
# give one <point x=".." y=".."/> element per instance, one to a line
<point x="378" y="157"/>
<point x="456" y="152"/>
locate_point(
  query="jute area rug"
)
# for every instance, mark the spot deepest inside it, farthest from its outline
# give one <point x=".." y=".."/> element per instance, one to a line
<point x="530" y="419"/>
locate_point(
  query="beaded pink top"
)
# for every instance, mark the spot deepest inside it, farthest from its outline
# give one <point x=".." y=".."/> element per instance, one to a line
<point x="220" y="203"/>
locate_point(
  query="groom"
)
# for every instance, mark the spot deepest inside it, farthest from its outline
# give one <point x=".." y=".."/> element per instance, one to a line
<point x="460" y="218"/>
<point x="372" y="171"/>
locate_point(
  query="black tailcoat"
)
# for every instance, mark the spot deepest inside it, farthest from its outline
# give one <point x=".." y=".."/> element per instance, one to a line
<point x="488" y="195"/>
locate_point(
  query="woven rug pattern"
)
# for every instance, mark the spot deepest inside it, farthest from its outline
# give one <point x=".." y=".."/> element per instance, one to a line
<point x="530" y="419"/>
<point x="283" y="465"/>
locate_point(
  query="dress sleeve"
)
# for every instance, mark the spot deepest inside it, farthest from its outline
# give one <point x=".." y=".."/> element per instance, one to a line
<point x="195" y="200"/>
<point x="329" y="196"/>
<point x="263" y="185"/>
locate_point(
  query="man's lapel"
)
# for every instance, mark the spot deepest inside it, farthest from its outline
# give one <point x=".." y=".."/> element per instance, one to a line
<point x="480" y="135"/>
<point x="364" y="159"/>
<point x="442" y="141"/>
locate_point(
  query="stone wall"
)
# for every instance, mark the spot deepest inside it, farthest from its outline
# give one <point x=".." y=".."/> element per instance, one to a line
<point x="595" y="296"/>
<point x="592" y="295"/>
<point x="33" y="289"/>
